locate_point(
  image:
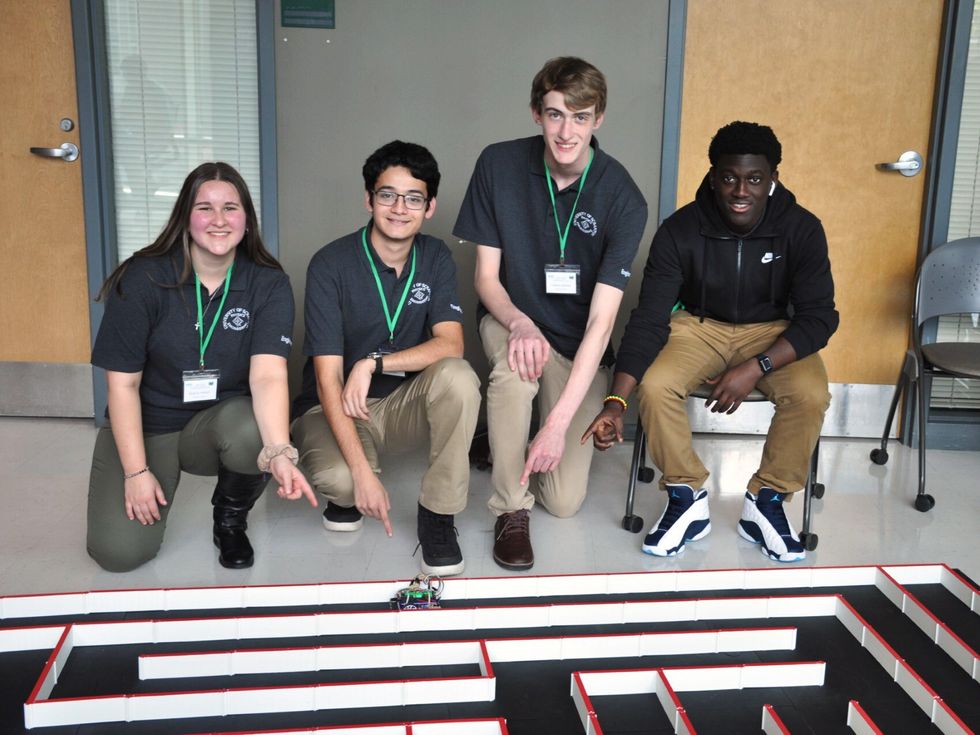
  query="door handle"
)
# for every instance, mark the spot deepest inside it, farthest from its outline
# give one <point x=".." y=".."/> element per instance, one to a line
<point x="908" y="164"/>
<point x="67" y="152"/>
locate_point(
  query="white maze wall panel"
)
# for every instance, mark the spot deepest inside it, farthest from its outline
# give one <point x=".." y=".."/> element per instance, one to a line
<point x="665" y="648"/>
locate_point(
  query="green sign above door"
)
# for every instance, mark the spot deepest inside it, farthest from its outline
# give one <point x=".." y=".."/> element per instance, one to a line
<point x="308" y="14"/>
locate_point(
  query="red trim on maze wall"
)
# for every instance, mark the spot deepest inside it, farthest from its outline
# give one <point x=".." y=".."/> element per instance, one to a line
<point x="777" y="720"/>
<point x="864" y="716"/>
<point x="679" y="582"/>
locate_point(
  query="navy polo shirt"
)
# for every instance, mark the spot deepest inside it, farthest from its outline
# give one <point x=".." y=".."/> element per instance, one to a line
<point x="507" y="206"/>
<point x="344" y="315"/>
<point x="151" y="328"/>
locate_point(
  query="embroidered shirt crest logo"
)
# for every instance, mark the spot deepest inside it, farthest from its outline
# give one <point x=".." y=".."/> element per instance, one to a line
<point x="236" y="319"/>
<point x="421" y="293"/>
<point x="586" y="223"/>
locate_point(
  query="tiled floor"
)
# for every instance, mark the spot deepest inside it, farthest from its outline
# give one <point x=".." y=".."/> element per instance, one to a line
<point x="866" y="517"/>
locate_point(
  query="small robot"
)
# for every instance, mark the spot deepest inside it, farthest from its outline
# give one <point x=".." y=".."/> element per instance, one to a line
<point x="422" y="594"/>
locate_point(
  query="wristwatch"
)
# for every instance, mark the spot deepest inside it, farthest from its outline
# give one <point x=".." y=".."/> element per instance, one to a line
<point x="764" y="363"/>
<point x="379" y="365"/>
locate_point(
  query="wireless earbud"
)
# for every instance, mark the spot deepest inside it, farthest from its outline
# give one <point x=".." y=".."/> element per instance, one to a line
<point x="772" y="188"/>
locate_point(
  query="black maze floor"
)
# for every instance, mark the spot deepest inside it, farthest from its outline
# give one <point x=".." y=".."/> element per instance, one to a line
<point x="534" y="696"/>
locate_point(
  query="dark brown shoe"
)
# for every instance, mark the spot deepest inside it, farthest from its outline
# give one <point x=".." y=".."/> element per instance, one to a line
<point x="512" y="544"/>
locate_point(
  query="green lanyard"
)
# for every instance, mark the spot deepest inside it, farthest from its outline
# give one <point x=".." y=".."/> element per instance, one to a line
<point x="205" y="341"/>
<point x="381" y="292"/>
<point x="563" y="236"/>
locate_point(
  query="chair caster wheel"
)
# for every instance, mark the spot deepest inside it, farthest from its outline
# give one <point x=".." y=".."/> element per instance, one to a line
<point x="809" y="541"/>
<point x="645" y="474"/>
<point x="879" y="456"/>
<point x="817" y="490"/>
<point x="924" y="503"/>
<point x="633" y="524"/>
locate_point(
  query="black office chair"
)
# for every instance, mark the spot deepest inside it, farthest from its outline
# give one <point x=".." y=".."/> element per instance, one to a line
<point x="640" y="471"/>
<point x="948" y="282"/>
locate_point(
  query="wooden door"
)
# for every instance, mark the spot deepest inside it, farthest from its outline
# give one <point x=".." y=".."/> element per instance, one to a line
<point x="44" y="314"/>
<point x="845" y="85"/>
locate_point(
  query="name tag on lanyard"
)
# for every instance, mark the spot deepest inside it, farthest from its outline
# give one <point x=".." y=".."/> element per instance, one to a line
<point x="200" y="385"/>
<point x="391" y="321"/>
<point x="562" y="280"/>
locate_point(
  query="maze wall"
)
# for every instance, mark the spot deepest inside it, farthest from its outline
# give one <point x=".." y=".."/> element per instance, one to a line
<point x="838" y="649"/>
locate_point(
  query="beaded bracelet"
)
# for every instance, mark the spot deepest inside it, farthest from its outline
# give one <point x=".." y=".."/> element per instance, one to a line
<point x="619" y="399"/>
<point x="131" y="475"/>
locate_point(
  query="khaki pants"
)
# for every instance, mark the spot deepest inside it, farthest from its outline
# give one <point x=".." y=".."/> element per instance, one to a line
<point x="509" y="403"/>
<point x="698" y="351"/>
<point x="225" y="434"/>
<point x="441" y="403"/>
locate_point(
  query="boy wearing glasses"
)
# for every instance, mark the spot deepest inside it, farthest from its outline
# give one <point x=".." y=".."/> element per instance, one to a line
<point x="556" y="222"/>
<point x="385" y="371"/>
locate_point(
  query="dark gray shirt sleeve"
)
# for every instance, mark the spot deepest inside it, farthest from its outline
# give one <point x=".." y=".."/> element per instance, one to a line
<point x="445" y="301"/>
<point x="623" y="239"/>
<point x="121" y="344"/>
<point x="323" y="319"/>
<point x="273" y="330"/>
<point x="477" y="221"/>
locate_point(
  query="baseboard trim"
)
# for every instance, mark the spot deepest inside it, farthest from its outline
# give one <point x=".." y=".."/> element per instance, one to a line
<point x="46" y="389"/>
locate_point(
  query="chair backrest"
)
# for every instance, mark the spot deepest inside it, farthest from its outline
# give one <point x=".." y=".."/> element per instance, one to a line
<point x="949" y="280"/>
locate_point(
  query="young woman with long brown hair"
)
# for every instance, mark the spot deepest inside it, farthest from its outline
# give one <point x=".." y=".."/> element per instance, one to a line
<point x="194" y="340"/>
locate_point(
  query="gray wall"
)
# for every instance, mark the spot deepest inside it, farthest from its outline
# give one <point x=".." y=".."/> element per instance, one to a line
<point x="453" y="76"/>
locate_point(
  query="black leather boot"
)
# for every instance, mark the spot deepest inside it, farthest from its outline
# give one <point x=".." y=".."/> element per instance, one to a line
<point x="233" y="498"/>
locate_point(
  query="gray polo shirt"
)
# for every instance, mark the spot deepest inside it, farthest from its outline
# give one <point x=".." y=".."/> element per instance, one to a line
<point x="151" y="328"/>
<point x="507" y="206"/>
<point x="344" y="315"/>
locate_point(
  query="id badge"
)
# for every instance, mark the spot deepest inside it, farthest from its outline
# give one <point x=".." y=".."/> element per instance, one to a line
<point x="562" y="280"/>
<point x="200" y="385"/>
<point x="387" y="350"/>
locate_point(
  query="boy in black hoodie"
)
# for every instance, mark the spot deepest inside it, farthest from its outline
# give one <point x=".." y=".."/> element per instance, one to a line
<point x="749" y="267"/>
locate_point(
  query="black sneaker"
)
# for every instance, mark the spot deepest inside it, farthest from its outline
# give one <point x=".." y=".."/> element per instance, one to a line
<point x="440" y="550"/>
<point x="338" y="518"/>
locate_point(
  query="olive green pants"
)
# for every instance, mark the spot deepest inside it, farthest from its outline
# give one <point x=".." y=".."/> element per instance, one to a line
<point x="697" y="351"/>
<point x="224" y="434"/>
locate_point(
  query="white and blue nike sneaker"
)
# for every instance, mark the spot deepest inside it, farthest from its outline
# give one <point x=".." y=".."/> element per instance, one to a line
<point x="764" y="522"/>
<point x="684" y="519"/>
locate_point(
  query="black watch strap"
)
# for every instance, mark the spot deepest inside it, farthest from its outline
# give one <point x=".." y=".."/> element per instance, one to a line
<point x="765" y="364"/>
<point x="379" y="363"/>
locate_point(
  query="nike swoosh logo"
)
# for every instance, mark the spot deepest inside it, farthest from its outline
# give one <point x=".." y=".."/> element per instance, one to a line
<point x="769" y="257"/>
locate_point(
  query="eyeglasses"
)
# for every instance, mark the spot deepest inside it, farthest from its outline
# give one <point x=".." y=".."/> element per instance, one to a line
<point x="387" y="198"/>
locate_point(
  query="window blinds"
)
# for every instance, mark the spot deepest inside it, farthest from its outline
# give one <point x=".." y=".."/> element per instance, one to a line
<point x="183" y="84"/>
<point x="964" y="221"/>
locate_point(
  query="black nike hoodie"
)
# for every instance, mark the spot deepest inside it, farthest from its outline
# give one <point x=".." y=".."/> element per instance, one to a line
<point x="780" y="270"/>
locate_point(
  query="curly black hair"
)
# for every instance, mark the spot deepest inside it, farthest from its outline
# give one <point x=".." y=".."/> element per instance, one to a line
<point x="416" y="158"/>
<point x="741" y="138"/>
